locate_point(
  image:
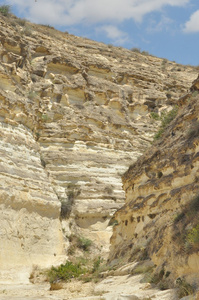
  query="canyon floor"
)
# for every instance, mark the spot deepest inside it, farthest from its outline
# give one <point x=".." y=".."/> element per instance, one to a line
<point x="124" y="286"/>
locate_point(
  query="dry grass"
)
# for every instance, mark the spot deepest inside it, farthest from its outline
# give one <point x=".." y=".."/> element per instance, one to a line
<point x="54" y="286"/>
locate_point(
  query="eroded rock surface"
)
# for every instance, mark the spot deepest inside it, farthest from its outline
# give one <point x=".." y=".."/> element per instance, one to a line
<point x="160" y="217"/>
<point x="73" y="115"/>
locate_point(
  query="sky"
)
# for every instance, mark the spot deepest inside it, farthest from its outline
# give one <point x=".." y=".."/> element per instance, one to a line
<point x="164" y="28"/>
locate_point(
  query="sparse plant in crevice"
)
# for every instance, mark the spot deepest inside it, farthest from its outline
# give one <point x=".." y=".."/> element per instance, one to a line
<point x="67" y="204"/>
<point x="192" y="238"/>
<point x="44" y="117"/>
<point x="113" y="222"/>
<point x="155" y="116"/>
<point x="96" y="264"/>
<point x="66" y="208"/>
<point x="79" y="242"/>
<point x="84" y="243"/>
<point x="184" y="288"/>
<point x="37" y="136"/>
<point x="186" y="227"/>
<point x="166" y="118"/>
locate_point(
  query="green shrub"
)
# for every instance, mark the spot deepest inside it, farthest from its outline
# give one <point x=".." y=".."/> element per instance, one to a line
<point x="155" y="116"/>
<point x="159" y="134"/>
<point x="137" y="50"/>
<point x="113" y="222"/>
<point x="5" y="10"/>
<point x="192" y="237"/>
<point x="44" y="117"/>
<point x="166" y="118"/>
<point x="78" y="242"/>
<point x="65" y="272"/>
<point x="84" y="243"/>
<point x="96" y="264"/>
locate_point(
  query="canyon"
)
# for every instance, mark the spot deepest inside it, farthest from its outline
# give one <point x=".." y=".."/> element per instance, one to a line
<point x="74" y="115"/>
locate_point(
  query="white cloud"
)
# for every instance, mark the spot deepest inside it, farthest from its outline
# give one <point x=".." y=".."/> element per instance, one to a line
<point x="193" y="24"/>
<point x="163" y="24"/>
<point x="116" y="35"/>
<point x="73" y="12"/>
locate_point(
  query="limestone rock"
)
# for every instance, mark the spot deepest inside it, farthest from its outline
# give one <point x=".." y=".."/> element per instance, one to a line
<point x="74" y="114"/>
<point x="160" y="217"/>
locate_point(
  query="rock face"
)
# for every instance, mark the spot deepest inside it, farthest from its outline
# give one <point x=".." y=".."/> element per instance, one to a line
<point x="160" y="217"/>
<point x="73" y="115"/>
<point x="29" y="209"/>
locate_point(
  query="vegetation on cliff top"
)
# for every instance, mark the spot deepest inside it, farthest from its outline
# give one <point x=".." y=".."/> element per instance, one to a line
<point x="5" y="10"/>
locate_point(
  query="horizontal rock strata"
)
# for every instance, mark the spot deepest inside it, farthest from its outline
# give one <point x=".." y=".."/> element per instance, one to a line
<point x="160" y="217"/>
<point x="73" y="114"/>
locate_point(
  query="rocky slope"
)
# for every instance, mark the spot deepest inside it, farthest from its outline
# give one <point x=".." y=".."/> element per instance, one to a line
<point x="160" y="218"/>
<point x="74" y="114"/>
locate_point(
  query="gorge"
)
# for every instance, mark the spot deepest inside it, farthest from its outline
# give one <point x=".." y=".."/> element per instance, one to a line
<point x="75" y="114"/>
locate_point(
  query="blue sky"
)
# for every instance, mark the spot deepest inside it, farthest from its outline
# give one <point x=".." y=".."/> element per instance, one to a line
<point x="164" y="28"/>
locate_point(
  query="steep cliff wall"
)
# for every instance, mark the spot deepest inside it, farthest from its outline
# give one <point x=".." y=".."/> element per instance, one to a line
<point x="160" y="217"/>
<point x="29" y="209"/>
<point x="73" y="114"/>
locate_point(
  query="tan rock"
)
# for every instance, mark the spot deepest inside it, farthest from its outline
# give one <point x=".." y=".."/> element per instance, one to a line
<point x="73" y="115"/>
<point x="160" y="217"/>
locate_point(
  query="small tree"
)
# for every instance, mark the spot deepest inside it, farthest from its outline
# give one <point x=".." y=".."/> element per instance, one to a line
<point x="5" y="10"/>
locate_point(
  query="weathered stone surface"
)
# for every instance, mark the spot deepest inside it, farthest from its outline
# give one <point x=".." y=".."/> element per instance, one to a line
<point x="160" y="217"/>
<point x="73" y="114"/>
<point x="29" y="216"/>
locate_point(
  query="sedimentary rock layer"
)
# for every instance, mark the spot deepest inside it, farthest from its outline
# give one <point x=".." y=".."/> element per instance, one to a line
<point x="160" y="217"/>
<point x="73" y="114"/>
